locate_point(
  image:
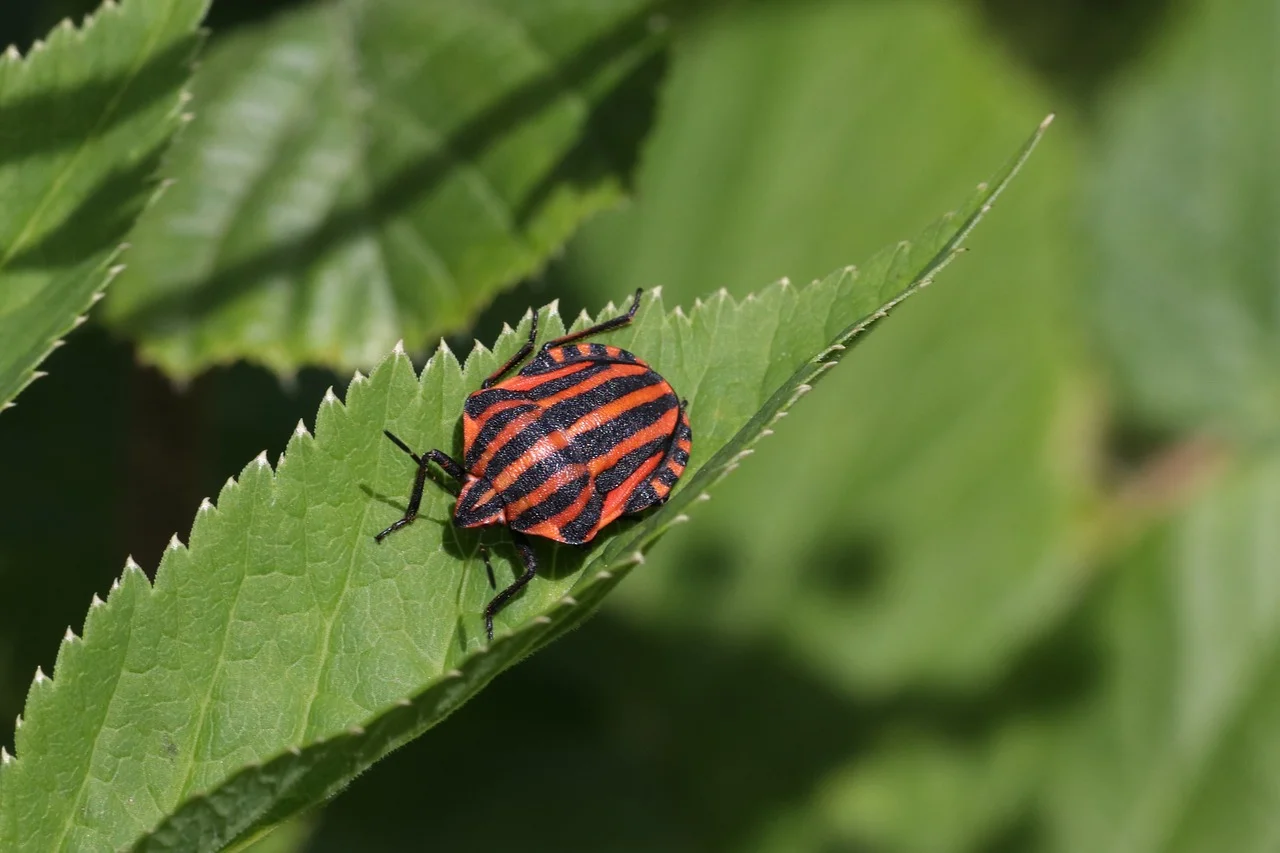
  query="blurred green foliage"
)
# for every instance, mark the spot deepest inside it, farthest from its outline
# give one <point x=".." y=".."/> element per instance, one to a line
<point x="1010" y="582"/>
<point x="361" y="173"/>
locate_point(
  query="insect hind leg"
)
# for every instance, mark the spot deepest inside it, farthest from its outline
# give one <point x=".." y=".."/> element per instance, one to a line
<point x="521" y="354"/>
<point x="530" y="561"/>
<point x="607" y="325"/>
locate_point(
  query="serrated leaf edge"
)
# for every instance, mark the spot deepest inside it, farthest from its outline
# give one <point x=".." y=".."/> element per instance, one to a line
<point x="66" y="28"/>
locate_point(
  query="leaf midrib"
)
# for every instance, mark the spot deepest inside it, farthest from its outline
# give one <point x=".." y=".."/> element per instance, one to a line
<point x="357" y="533"/>
<point x="192" y="761"/>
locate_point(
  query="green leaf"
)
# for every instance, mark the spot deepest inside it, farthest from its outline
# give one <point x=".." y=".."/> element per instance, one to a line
<point x="1178" y="748"/>
<point x="85" y="117"/>
<point x="1185" y="211"/>
<point x="284" y="651"/>
<point x="359" y="173"/>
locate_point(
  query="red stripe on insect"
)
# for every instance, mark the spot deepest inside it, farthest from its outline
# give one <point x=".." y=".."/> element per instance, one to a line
<point x="567" y="504"/>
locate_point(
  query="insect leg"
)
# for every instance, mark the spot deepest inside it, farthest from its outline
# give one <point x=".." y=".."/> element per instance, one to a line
<point x="497" y="375"/>
<point x="453" y="469"/>
<point x="488" y="567"/>
<point x="616" y="322"/>
<point x="530" y="561"/>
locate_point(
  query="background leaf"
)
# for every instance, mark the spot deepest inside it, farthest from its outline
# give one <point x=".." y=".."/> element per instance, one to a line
<point x="1176" y="751"/>
<point x="923" y="519"/>
<point x="1185" y="201"/>
<point x="363" y="172"/>
<point x="86" y="117"/>
<point x="282" y="608"/>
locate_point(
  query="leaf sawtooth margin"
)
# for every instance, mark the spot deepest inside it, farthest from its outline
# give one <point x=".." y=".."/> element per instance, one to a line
<point x="85" y="118"/>
<point x="299" y="698"/>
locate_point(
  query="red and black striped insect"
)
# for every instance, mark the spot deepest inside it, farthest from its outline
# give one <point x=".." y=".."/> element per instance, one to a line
<point x="583" y="434"/>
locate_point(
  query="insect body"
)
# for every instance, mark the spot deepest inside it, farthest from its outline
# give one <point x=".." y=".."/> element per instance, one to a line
<point x="583" y="434"/>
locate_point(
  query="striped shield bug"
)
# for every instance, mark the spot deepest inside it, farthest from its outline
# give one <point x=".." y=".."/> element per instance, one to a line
<point x="585" y="433"/>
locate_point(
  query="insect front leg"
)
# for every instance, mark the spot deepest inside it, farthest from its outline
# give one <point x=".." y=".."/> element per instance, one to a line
<point x="530" y="561"/>
<point x="446" y="463"/>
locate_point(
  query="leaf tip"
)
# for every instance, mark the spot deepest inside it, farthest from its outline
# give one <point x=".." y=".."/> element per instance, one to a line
<point x="205" y="505"/>
<point x="17" y="722"/>
<point x="542" y="620"/>
<point x="175" y="544"/>
<point x="301" y="428"/>
<point x="356" y="731"/>
<point x="5" y="757"/>
<point x="404" y="702"/>
<point x="261" y="459"/>
<point x="357" y="378"/>
<point x="96" y="601"/>
<point x="398" y="349"/>
<point x="1048" y="120"/>
<point x="329" y="397"/>
<point x="569" y="601"/>
<point x="70" y="636"/>
<point x="41" y="678"/>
